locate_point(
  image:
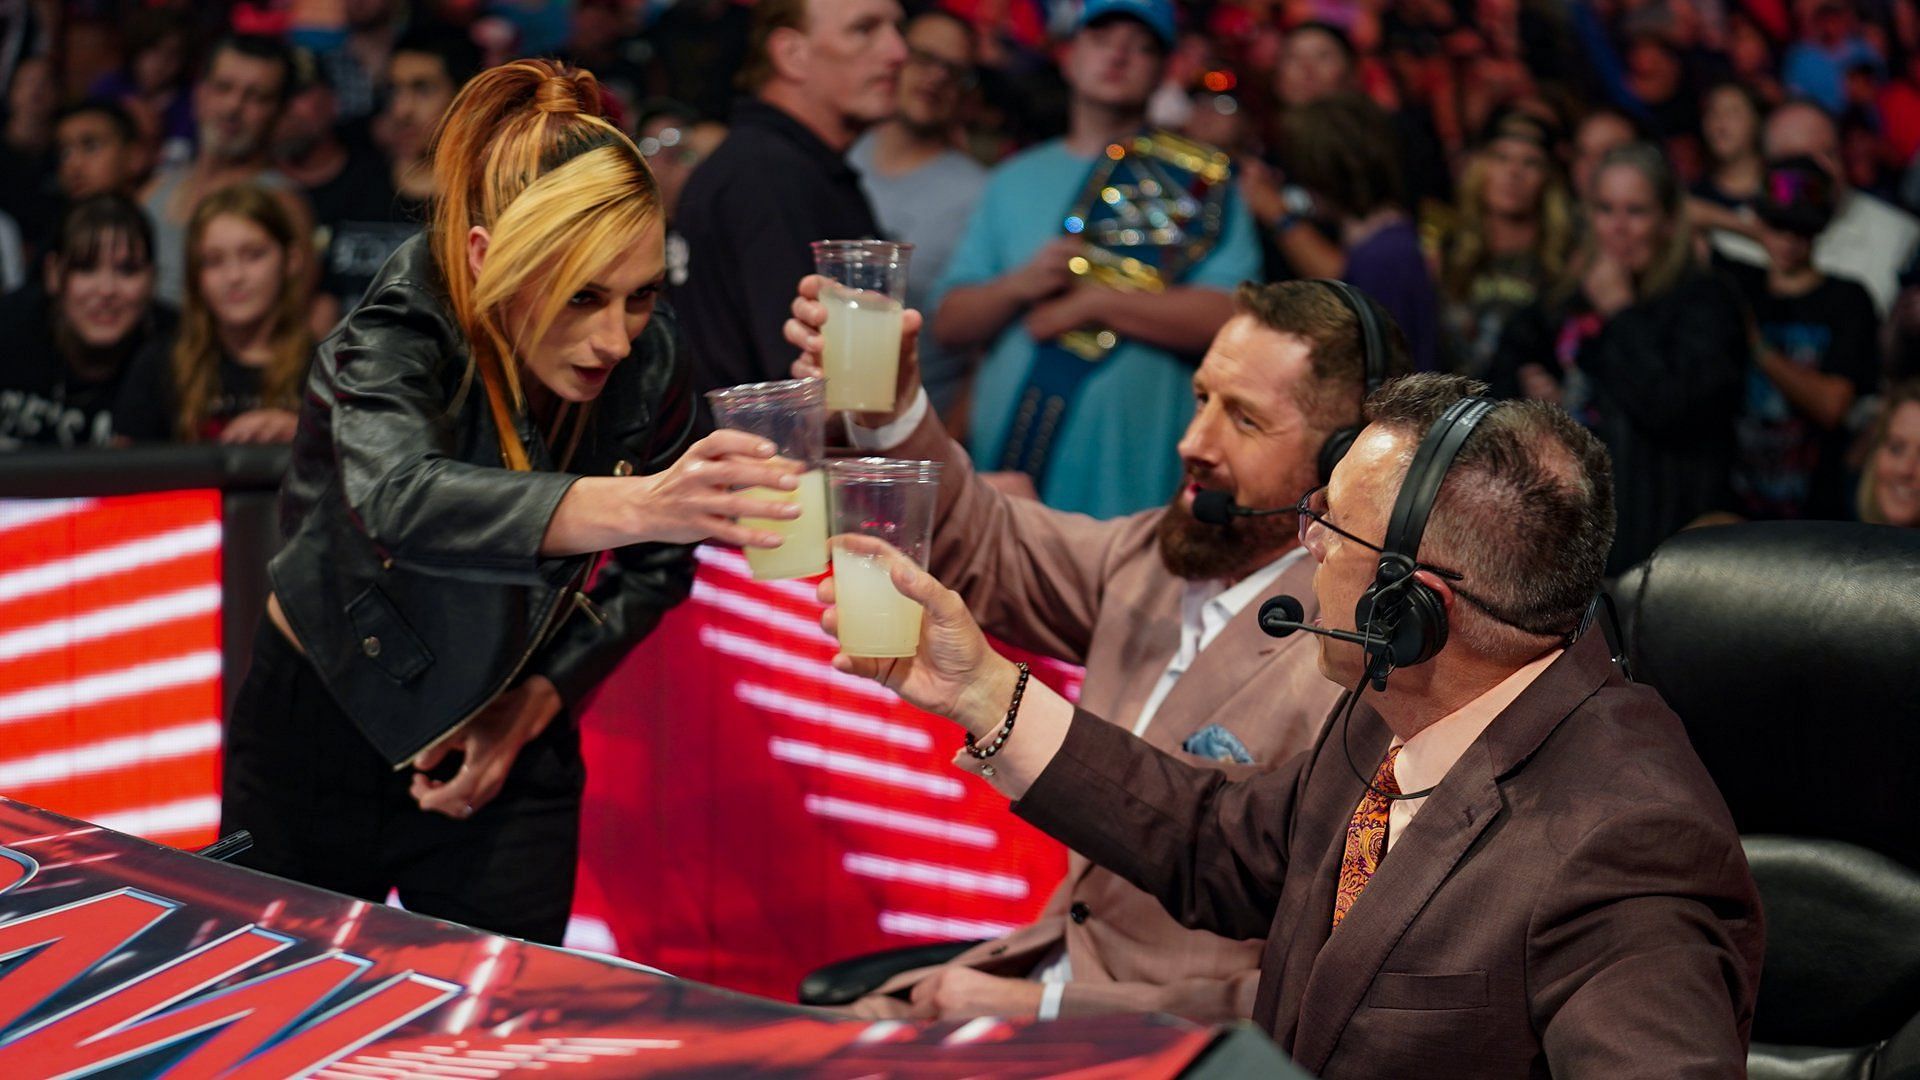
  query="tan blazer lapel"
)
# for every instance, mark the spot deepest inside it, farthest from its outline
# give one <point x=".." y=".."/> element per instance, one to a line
<point x="1231" y="666"/>
<point x="1453" y="817"/>
<point x="1119" y="681"/>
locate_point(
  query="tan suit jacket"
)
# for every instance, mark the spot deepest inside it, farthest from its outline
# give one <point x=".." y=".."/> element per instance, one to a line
<point x="1095" y="593"/>
<point x="1572" y="900"/>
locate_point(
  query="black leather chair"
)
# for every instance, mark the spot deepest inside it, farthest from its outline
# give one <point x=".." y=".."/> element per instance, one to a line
<point x="1791" y="651"/>
<point x="1842" y="974"/>
<point x="845" y="981"/>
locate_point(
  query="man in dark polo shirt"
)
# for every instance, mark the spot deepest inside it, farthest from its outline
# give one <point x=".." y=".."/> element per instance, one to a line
<point x="819" y="72"/>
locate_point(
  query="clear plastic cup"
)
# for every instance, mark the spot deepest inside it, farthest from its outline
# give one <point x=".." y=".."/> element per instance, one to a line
<point x="892" y="501"/>
<point x="792" y="414"/>
<point x="864" y="300"/>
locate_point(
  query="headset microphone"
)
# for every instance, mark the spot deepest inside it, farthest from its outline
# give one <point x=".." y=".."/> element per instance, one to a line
<point x="1280" y="617"/>
<point x="1218" y="508"/>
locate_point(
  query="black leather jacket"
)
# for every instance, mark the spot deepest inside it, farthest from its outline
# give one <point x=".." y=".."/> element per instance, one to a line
<point x="411" y="570"/>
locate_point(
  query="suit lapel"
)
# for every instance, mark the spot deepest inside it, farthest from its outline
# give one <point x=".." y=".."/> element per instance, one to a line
<point x="1452" y="819"/>
<point x="1306" y="917"/>
<point x="1149" y="599"/>
<point x="1228" y="665"/>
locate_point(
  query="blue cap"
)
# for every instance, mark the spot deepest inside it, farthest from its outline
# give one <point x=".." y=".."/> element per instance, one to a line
<point x="1155" y="15"/>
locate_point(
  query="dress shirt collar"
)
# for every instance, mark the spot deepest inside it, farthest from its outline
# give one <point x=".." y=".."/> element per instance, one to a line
<point x="1426" y="758"/>
<point x="1208" y="606"/>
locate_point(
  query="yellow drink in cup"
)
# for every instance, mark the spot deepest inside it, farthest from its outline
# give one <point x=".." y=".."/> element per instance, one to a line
<point x="864" y="299"/>
<point x="803" y="553"/>
<point x="862" y="349"/>
<point x="882" y="513"/>
<point x="875" y="620"/>
<point x="792" y="414"/>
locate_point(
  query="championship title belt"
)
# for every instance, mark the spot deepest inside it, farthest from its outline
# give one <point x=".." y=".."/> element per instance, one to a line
<point x="1152" y="207"/>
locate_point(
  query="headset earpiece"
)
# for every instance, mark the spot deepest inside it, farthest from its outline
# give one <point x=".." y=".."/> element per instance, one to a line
<point x="1373" y="358"/>
<point x="1334" y="449"/>
<point x="1408" y="615"/>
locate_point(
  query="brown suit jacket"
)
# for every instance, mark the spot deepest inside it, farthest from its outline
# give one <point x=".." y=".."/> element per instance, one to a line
<point x="1572" y="900"/>
<point x="1096" y="593"/>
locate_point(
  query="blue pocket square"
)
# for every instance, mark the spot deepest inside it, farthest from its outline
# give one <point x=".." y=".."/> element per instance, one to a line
<point x="1217" y="744"/>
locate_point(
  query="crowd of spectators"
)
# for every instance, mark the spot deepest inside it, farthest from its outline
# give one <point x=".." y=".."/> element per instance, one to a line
<point x="1689" y="222"/>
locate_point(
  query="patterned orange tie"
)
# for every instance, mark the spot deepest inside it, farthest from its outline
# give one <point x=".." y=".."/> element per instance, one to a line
<point x="1366" y="839"/>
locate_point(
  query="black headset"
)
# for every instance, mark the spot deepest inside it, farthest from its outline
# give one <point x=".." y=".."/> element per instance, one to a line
<point x="1404" y="620"/>
<point x="1373" y="353"/>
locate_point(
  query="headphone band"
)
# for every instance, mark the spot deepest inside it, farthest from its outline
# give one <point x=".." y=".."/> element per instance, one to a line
<point x="1373" y="337"/>
<point x="1425" y="475"/>
<point x="1373" y="358"/>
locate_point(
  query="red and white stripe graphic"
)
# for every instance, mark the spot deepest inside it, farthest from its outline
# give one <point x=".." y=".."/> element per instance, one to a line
<point x="807" y="689"/>
<point x="110" y="660"/>
<point x="805" y="814"/>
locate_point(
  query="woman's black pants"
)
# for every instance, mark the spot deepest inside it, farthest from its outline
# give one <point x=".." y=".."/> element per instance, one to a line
<point x="325" y="809"/>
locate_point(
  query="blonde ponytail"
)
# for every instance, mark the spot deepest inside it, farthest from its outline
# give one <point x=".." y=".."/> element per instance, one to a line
<point x="525" y="127"/>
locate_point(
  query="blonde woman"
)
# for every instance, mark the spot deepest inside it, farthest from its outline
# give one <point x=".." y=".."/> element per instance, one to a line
<point x="1512" y="231"/>
<point x="1646" y="347"/>
<point x="1890" y="482"/>
<point x="504" y="404"/>
<point x="232" y="373"/>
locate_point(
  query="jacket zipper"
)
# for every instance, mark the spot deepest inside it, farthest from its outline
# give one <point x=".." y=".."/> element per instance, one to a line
<point x="585" y="603"/>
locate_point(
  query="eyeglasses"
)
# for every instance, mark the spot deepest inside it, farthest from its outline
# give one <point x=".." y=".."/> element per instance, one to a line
<point x="665" y="139"/>
<point x="961" y="74"/>
<point x="1312" y="510"/>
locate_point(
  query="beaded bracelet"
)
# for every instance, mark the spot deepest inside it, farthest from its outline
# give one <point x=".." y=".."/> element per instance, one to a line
<point x="1006" y="727"/>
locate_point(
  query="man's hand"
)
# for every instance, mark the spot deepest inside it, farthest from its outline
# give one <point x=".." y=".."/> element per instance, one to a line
<point x="961" y="993"/>
<point x="1608" y="285"/>
<point x="489" y="742"/>
<point x="955" y="674"/>
<point x="1072" y="310"/>
<point x="1047" y="273"/>
<point x="804" y="332"/>
<point x="878" y="1007"/>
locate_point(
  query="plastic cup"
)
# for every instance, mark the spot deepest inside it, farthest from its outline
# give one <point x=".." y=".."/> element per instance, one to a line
<point x="865" y="297"/>
<point x="792" y="414"/>
<point x="891" y="501"/>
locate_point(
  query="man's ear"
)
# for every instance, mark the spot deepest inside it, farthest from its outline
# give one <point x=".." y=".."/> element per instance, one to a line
<point x="477" y="240"/>
<point x="790" y="53"/>
<point x="1439" y="585"/>
<point x="56" y="273"/>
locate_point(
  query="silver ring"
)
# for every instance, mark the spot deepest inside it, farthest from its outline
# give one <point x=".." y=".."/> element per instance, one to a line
<point x="469" y="811"/>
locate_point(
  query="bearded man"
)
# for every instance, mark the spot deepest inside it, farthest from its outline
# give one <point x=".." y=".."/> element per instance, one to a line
<point x="1162" y="610"/>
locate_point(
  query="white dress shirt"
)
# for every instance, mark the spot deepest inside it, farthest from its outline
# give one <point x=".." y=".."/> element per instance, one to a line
<point x="1206" y="607"/>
